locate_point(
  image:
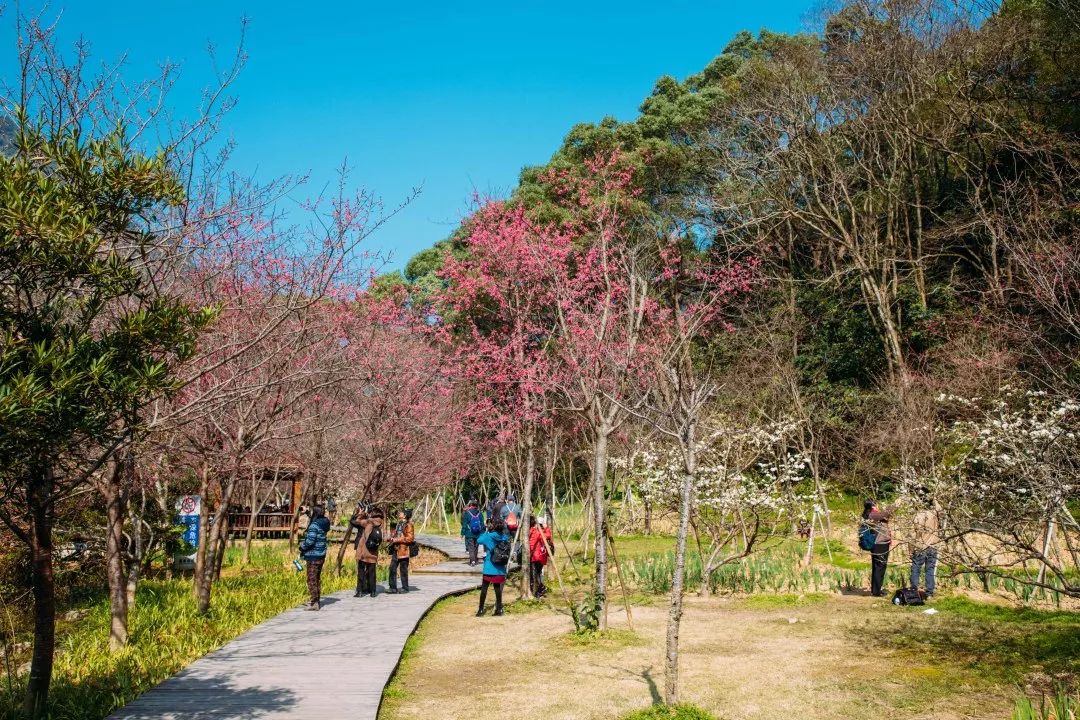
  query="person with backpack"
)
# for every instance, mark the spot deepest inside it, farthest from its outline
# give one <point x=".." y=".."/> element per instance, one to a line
<point x="472" y="527"/>
<point x="369" y="524"/>
<point x="876" y="536"/>
<point x="497" y="544"/>
<point x="508" y="508"/>
<point x="402" y="545"/>
<point x="540" y="548"/>
<point x="924" y="552"/>
<point x="313" y="551"/>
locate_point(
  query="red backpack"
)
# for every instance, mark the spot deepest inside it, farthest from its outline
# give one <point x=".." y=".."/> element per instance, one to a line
<point x="512" y="521"/>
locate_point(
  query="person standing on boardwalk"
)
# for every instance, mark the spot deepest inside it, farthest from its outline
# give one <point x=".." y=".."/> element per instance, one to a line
<point x="313" y="550"/>
<point x="369" y="523"/>
<point x="540" y="548"/>
<point x="496" y="543"/>
<point x="878" y="520"/>
<point x="401" y="542"/>
<point x="472" y="527"/>
<point x="924" y="552"/>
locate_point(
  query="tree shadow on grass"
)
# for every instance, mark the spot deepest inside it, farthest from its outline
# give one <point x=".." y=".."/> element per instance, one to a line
<point x="997" y="643"/>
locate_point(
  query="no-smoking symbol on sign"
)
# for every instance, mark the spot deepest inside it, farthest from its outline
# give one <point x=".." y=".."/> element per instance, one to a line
<point x="187" y="505"/>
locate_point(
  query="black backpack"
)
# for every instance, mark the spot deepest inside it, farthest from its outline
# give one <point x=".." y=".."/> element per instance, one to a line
<point x="500" y="556"/>
<point x="374" y="539"/>
<point x="907" y="596"/>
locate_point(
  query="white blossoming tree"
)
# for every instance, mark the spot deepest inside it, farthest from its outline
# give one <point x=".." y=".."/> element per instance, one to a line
<point x="1005" y="485"/>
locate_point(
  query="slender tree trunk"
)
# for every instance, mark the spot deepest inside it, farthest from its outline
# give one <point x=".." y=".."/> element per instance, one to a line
<point x="600" y="458"/>
<point x="252" y="519"/>
<point x="204" y="514"/>
<point x="526" y="511"/>
<point x="114" y="565"/>
<point x="212" y="562"/>
<point x="39" y="490"/>
<point x="1048" y="542"/>
<point x="671" y="656"/>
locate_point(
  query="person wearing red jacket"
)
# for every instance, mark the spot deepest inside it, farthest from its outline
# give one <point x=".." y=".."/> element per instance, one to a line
<point x="540" y="546"/>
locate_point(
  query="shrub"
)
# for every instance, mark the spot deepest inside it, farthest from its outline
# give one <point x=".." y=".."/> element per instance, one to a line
<point x="669" y="712"/>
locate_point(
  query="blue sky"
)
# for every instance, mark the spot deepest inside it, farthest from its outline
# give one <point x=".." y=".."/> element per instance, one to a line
<point x="448" y="96"/>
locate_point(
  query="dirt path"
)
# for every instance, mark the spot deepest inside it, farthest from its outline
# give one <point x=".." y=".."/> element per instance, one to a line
<point x="741" y="660"/>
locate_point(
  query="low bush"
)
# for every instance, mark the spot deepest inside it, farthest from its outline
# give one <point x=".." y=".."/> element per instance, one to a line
<point x="669" y="712"/>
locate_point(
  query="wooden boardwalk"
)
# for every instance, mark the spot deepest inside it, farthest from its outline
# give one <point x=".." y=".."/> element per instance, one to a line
<point x="312" y="665"/>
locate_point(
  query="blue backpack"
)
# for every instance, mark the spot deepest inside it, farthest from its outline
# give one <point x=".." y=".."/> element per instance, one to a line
<point x="476" y="525"/>
<point x="867" y="537"/>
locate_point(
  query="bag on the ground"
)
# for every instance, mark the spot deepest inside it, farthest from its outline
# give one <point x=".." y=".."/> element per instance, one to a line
<point x="501" y="554"/>
<point x="907" y="596"/>
<point x="867" y="537"/>
<point x="512" y="521"/>
<point x="414" y="549"/>
<point x="374" y="539"/>
<point x="476" y="524"/>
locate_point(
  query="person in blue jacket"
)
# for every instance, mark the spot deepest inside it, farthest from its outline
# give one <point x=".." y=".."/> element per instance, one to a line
<point x="494" y="573"/>
<point x="313" y="550"/>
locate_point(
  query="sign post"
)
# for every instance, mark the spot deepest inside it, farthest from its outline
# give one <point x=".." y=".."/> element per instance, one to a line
<point x="187" y="517"/>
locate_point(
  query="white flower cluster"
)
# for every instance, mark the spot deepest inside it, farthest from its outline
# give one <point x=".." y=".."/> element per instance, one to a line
<point x="738" y="467"/>
<point x="1018" y="454"/>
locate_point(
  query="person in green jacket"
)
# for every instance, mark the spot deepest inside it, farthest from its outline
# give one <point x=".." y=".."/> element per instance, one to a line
<point x="472" y="527"/>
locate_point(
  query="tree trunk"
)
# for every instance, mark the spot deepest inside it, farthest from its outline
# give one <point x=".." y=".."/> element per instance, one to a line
<point x="671" y="657"/>
<point x="35" y="703"/>
<point x="1048" y="543"/>
<point x="212" y="562"/>
<point x="600" y="458"/>
<point x="204" y="514"/>
<point x="526" y="512"/>
<point x="114" y="565"/>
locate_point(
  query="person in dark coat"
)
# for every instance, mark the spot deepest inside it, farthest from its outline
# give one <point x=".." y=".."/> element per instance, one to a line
<point x="366" y="558"/>
<point x="879" y="557"/>
<point x="313" y="551"/>
<point x="472" y="527"/>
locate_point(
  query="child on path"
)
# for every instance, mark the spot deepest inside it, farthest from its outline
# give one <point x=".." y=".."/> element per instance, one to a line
<point x="497" y="544"/>
<point x="472" y="527"/>
<point x="540" y="546"/>
<point x="313" y="550"/>
<point x="401" y="540"/>
<point x="369" y="523"/>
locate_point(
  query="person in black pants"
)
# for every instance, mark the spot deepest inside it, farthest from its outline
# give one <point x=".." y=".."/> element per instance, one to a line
<point x="879" y="556"/>
<point x="401" y="541"/>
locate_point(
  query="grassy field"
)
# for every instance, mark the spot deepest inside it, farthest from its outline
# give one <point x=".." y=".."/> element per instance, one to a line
<point x="773" y="638"/>
<point x="762" y="656"/>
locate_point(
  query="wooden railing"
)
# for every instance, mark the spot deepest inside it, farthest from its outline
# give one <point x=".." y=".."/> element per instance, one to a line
<point x="265" y="523"/>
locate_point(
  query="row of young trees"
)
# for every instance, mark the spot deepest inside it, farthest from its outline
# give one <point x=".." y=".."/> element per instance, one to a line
<point x="165" y="329"/>
<point x="773" y="276"/>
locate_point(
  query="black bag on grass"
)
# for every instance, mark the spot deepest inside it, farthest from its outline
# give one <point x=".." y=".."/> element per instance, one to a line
<point x="907" y="596"/>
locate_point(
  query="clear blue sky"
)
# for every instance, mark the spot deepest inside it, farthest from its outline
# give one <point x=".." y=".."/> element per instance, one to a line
<point x="453" y="96"/>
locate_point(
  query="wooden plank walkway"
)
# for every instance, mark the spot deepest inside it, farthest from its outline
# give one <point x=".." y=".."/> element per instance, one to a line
<point x="333" y="663"/>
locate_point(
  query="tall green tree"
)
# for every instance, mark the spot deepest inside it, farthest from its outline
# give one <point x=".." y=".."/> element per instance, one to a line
<point x="86" y="338"/>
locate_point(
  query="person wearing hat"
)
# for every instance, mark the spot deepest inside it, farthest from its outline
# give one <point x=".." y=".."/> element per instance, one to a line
<point x="402" y="539"/>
